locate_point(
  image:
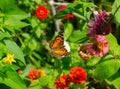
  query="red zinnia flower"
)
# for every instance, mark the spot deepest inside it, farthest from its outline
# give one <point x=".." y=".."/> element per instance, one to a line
<point x="77" y="75"/>
<point x="35" y="73"/>
<point x="42" y="12"/>
<point x="62" y="82"/>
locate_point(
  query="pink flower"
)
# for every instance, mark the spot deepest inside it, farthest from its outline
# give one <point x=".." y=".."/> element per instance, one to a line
<point x="62" y="7"/>
<point x="99" y="47"/>
<point x="100" y="26"/>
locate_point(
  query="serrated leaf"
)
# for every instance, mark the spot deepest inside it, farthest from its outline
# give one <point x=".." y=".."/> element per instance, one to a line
<point x="68" y="30"/>
<point x="106" y="69"/>
<point x="13" y="48"/>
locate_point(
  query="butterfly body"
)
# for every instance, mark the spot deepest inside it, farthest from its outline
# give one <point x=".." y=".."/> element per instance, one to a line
<point x="57" y="47"/>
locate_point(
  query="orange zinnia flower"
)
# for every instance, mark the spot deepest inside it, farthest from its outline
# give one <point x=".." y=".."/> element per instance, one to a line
<point x="77" y="75"/>
<point x="35" y="73"/>
<point x="42" y="12"/>
<point x="62" y="82"/>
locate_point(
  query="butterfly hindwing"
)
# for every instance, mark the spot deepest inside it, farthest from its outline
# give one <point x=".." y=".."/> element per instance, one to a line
<point x="60" y="52"/>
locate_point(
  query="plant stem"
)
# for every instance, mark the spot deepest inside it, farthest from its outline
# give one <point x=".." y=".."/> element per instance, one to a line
<point x="34" y="61"/>
<point x="114" y="14"/>
<point x="79" y="16"/>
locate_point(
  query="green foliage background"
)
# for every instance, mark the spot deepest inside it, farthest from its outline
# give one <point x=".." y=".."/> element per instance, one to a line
<point x="27" y="37"/>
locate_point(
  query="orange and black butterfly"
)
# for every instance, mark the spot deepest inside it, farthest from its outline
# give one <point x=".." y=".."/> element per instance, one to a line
<point x="57" y="47"/>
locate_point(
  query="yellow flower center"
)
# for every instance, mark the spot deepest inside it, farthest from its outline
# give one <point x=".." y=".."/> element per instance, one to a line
<point x="98" y="46"/>
<point x="42" y="12"/>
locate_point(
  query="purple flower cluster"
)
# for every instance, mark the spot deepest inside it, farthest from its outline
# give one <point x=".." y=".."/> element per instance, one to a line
<point x="98" y="46"/>
<point x="100" y="26"/>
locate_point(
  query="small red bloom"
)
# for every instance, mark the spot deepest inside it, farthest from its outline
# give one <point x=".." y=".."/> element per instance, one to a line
<point x="62" y="7"/>
<point x="62" y="82"/>
<point x="77" y="75"/>
<point x="35" y="73"/>
<point x="69" y="16"/>
<point x="18" y="71"/>
<point x="42" y="12"/>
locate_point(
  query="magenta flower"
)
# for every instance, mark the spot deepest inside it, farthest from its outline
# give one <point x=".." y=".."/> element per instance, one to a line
<point x="99" y="47"/>
<point x="100" y="26"/>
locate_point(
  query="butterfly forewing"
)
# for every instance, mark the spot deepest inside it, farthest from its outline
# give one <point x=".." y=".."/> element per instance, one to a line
<point x="58" y="42"/>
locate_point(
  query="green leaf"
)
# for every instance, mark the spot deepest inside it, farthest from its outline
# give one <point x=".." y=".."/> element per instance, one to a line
<point x="106" y="69"/>
<point x="38" y="32"/>
<point x="7" y="5"/>
<point x="13" y="48"/>
<point x="93" y="61"/>
<point x="3" y="35"/>
<point x="68" y="30"/>
<point x="78" y="36"/>
<point x="44" y="80"/>
<point x="11" y="23"/>
<point x="62" y="13"/>
<point x="116" y="83"/>
<point x="35" y="85"/>
<point x="115" y="5"/>
<point x="27" y="69"/>
<point x="12" y="79"/>
<point x="114" y="47"/>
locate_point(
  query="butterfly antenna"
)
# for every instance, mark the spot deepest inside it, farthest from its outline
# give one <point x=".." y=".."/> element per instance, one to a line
<point x="60" y="33"/>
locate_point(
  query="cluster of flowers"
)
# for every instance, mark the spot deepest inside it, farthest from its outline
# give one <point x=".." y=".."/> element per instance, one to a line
<point x="77" y="75"/>
<point x="35" y="74"/>
<point x="98" y="29"/>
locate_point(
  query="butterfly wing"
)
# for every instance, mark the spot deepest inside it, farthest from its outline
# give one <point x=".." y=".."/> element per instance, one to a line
<point x="59" y="52"/>
<point x="57" y="43"/>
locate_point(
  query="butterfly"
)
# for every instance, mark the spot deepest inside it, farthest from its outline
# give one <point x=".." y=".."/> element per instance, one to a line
<point x="58" y="48"/>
